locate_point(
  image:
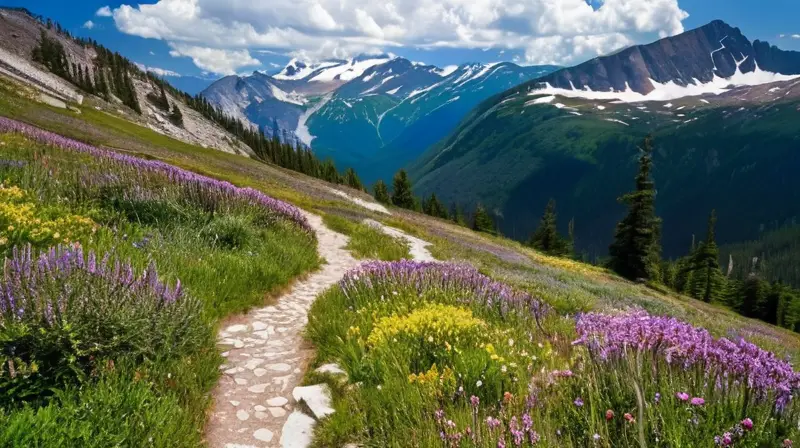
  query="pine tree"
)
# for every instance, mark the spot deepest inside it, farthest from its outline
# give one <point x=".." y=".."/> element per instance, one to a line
<point x="457" y="215"/>
<point x="752" y="296"/>
<point x="708" y="283"/>
<point x="546" y="238"/>
<point x="635" y="252"/>
<point x="176" y="116"/>
<point x="401" y="191"/>
<point x="433" y="207"/>
<point x="381" y="192"/>
<point x="482" y="221"/>
<point x="351" y="179"/>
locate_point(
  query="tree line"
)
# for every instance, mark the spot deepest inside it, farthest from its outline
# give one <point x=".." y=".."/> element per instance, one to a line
<point x="635" y="252"/>
<point x="112" y="74"/>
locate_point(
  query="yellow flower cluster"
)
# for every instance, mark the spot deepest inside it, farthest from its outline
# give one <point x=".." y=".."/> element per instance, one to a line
<point x="435" y="323"/>
<point x="435" y="382"/>
<point x="22" y="222"/>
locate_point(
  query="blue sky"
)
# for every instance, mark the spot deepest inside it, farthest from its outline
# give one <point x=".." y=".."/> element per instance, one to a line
<point x="234" y="34"/>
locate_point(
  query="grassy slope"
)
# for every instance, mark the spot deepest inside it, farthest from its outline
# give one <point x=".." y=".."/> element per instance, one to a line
<point x="578" y="285"/>
<point x="515" y="158"/>
<point x="569" y="286"/>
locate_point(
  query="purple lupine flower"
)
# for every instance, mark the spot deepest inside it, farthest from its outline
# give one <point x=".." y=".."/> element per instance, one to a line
<point x="208" y="192"/>
<point x="657" y="398"/>
<point x="683" y="396"/>
<point x="578" y="402"/>
<point x="612" y="337"/>
<point x="25" y="290"/>
<point x="698" y="401"/>
<point x="747" y="424"/>
<point x="386" y="278"/>
<point x="474" y="401"/>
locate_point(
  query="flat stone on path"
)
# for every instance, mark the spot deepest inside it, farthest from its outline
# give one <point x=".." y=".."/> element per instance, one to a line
<point x="317" y="398"/>
<point x="298" y="431"/>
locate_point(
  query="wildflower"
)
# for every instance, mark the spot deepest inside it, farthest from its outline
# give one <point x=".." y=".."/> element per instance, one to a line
<point x="787" y="443"/>
<point x="439" y="415"/>
<point x="629" y="418"/>
<point x="596" y="437"/>
<point x="657" y="398"/>
<point x="697" y="401"/>
<point x="578" y="402"/>
<point x="683" y="396"/>
<point x="507" y="397"/>
<point x="747" y="424"/>
<point x="492" y="422"/>
<point x="510" y="342"/>
<point x="475" y="401"/>
<point x="504" y="369"/>
<point x="501" y="443"/>
<point x="609" y="415"/>
<point x="479" y="383"/>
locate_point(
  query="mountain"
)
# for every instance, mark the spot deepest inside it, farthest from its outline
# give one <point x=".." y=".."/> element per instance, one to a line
<point x="374" y="112"/>
<point x="20" y="35"/>
<point x="722" y="111"/>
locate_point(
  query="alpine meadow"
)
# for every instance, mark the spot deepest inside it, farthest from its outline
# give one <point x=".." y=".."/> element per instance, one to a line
<point x="431" y="223"/>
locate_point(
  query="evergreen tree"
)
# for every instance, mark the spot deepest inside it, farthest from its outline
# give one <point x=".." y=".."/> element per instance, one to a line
<point x="176" y="116"/>
<point x="482" y="221"/>
<point x="546" y="238"/>
<point x="401" y="191"/>
<point x="457" y="215"/>
<point x="708" y="283"/>
<point x="351" y="179"/>
<point x="434" y="208"/>
<point x="752" y="296"/>
<point x="381" y="192"/>
<point x="635" y="252"/>
<point x="163" y="98"/>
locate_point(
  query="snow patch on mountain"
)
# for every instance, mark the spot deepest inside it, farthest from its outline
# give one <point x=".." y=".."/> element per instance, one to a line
<point x="394" y="91"/>
<point x="302" y="132"/>
<point x="296" y="70"/>
<point x="670" y="90"/>
<point x="292" y="98"/>
<point x="446" y="71"/>
<point x="349" y="71"/>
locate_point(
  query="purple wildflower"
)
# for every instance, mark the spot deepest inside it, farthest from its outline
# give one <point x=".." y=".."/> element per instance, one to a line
<point x="698" y="401"/>
<point x="578" y="402"/>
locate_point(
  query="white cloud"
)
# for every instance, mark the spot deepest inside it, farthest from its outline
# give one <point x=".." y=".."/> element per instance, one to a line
<point x="88" y="25"/>
<point x="105" y="11"/>
<point x="152" y="54"/>
<point x="215" y="60"/>
<point x="158" y="71"/>
<point x="569" y="30"/>
<point x="795" y="36"/>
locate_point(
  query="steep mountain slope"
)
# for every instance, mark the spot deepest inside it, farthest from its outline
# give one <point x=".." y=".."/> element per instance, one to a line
<point x="20" y="33"/>
<point x="373" y="113"/>
<point x="570" y="137"/>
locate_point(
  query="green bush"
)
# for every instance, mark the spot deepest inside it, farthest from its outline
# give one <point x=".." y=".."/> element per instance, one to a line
<point x="230" y="232"/>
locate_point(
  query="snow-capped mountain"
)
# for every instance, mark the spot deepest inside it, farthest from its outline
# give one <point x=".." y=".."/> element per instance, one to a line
<point x="354" y="110"/>
<point x="394" y="111"/>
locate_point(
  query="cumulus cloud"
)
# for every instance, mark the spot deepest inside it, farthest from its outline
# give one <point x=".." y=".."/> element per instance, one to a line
<point x="88" y="25"/>
<point x="158" y="71"/>
<point x="556" y="31"/>
<point x="105" y="11"/>
<point x="795" y="36"/>
<point x="215" y="60"/>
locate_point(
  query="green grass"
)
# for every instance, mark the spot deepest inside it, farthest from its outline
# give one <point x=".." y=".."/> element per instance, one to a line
<point x="367" y="242"/>
<point x="229" y="262"/>
<point x="410" y="359"/>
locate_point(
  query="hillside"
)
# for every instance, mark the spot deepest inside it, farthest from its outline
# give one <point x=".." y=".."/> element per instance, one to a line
<point x="182" y="382"/>
<point x="718" y="145"/>
<point x="21" y="33"/>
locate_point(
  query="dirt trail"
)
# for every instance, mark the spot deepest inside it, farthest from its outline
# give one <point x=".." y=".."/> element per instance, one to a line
<point x="266" y="357"/>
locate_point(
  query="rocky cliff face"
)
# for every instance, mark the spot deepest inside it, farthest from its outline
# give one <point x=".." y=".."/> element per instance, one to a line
<point x="696" y="56"/>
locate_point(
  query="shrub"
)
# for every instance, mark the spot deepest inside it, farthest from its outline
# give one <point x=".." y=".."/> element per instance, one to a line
<point x="65" y="314"/>
<point x="230" y="232"/>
